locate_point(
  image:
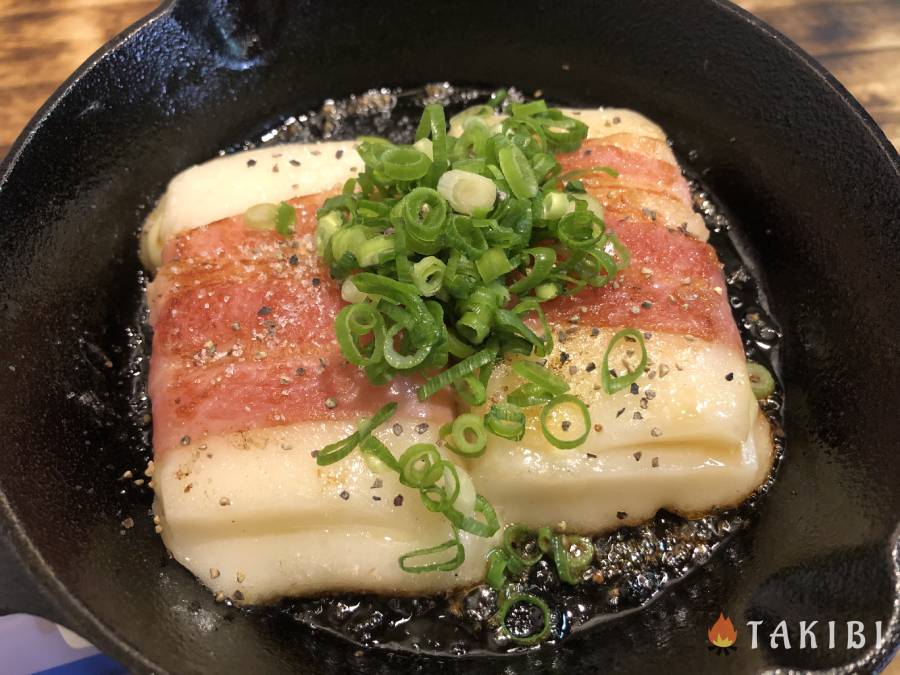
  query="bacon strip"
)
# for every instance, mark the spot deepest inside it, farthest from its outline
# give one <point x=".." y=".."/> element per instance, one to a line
<point x="244" y="337"/>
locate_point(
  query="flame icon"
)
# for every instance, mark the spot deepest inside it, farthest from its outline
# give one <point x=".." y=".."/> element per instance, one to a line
<point x="722" y="634"/>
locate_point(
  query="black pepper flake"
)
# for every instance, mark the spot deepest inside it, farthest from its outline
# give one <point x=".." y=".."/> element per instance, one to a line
<point x="590" y="367"/>
<point x="344" y="495"/>
<point x="264" y="311"/>
<point x="274" y="168"/>
<point x="398" y="500"/>
<point x="316" y="281"/>
<point x="251" y="162"/>
<point x="566" y="425"/>
<point x="729" y="377"/>
<point x="637" y="456"/>
<point x="591" y="455"/>
<point x="301" y="371"/>
<point x="635" y="389"/>
<point x="421" y="428"/>
<point x="621" y="515"/>
<point x="376" y="498"/>
<point x="619" y="413"/>
<point x="293" y="261"/>
<point x="314" y="453"/>
<point x="377" y="484"/>
<point x="238" y="596"/>
<point x="637" y="416"/>
<point x="563" y="357"/>
<point x="185" y="440"/>
<point x="339" y="154"/>
<point x="656" y="432"/>
<point x="595" y="332"/>
<point x="294" y="162"/>
<point x="397" y="429"/>
<point x="654" y="462"/>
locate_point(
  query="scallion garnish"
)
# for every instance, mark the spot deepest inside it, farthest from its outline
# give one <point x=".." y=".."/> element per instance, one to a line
<point x="761" y="381"/>
<point x="529" y="601"/>
<point x="553" y="408"/>
<point x="431" y="560"/>
<point x="616" y="382"/>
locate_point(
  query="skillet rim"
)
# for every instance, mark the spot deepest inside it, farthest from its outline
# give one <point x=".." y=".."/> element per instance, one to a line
<point x="59" y="603"/>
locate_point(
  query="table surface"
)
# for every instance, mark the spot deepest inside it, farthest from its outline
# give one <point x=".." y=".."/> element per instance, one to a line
<point x="45" y="40"/>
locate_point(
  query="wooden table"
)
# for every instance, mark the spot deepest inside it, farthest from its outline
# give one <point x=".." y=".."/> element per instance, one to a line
<point x="45" y="40"/>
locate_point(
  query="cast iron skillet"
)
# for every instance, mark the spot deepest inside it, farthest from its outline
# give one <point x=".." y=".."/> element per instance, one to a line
<point x="804" y="170"/>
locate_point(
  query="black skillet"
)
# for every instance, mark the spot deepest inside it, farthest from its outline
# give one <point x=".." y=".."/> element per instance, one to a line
<point x="805" y="171"/>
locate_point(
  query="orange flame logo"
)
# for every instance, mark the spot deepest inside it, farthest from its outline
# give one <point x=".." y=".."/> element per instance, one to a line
<point x="722" y="633"/>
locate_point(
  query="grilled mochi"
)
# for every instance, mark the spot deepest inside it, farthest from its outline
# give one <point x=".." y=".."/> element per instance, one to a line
<point x="247" y="382"/>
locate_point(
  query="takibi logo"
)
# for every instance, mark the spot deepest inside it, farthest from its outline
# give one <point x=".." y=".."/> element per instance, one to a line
<point x="722" y="636"/>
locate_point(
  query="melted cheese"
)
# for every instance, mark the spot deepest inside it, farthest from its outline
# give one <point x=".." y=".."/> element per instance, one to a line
<point x="254" y="512"/>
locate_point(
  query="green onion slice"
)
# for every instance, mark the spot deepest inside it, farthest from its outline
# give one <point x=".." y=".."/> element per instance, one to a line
<point x="467" y="436"/>
<point x="465" y="367"/>
<point x="423" y="559"/>
<point x="613" y="384"/>
<point x="572" y="555"/>
<point x="566" y="400"/>
<point x="353" y="323"/>
<point x="337" y="451"/>
<point x="497" y="561"/>
<point x="285" y="219"/>
<point x="506" y="420"/>
<point x="537" y="374"/>
<point x="761" y="381"/>
<point x="480" y="528"/>
<point x="421" y="466"/>
<point x="518" y="172"/>
<point x="404" y="163"/>
<point x="531" y="601"/>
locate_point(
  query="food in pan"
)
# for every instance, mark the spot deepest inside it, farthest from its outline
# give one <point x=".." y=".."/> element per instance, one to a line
<point x="408" y="369"/>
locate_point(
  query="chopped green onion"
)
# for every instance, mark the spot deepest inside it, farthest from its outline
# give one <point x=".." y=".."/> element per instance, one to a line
<point x="551" y="408"/>
<point x="337" y="451"/>
<point x="423" y="212"/>
<point x="520" y="543"/>
<point x="545" y="539"/>
<point x="465" y="367"/>
<point x="486" y="528"/>
<point x="537" y="374"/>
<point x="572" y="555"/>
<point x="493" y="264"/>
<point x="554" y="205"/>
<point x="471" y="390"/>
<point x="261" y="216"/>
<point x="529" y="395"/>
<point x="372" y="447"/>
<point x="421" y="465"/>
<point x="761" y="381"/>
<point x="424" y="146"/>
<point x="518" y="172"/>
<point x="467" y="436"/>
<point x="375" y="251"/>
<point x="428" y="275"/>
<point x="404" y="164"/>
<point x="438" y="499"/>
<point x="612" y="384"/>
<point x="531" y="601"/>
<point x="506" y="420"/>
<point x="285" y="219"/>
<point x="428" y="554"/>
<point x="327" y="226"/>
<point x="467" y="192"/>
<point x="354" y="322"/>
<point x="496" y="570"/>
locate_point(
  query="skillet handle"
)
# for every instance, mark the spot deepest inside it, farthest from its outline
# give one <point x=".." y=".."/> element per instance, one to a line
<point x="19" y="592"/>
